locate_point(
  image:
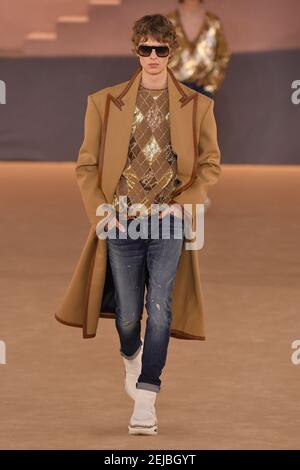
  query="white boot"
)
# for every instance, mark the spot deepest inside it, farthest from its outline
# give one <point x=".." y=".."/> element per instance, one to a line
<point x="133" y="369"/>
<point x="143" y="419"/>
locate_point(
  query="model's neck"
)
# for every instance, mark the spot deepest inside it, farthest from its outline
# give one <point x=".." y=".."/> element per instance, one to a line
<point x="191" y="8"/>
<point x="155" y="82"/>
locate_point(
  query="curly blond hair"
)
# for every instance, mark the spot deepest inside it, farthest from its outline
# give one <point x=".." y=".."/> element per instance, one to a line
<point x="158" y="27"/>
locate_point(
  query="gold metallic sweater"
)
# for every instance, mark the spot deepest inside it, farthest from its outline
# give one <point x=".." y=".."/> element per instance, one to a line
<point x="203" y="61"/>
<point x="149" y="175"/>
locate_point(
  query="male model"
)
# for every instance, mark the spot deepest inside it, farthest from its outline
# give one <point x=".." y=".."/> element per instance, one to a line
<point x="152" y="141"/>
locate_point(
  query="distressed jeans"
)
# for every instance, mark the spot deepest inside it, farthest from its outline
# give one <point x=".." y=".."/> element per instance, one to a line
<point x="160" y="253"/>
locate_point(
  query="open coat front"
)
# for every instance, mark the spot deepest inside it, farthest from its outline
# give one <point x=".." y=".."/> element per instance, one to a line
<point x="102" y="157"/>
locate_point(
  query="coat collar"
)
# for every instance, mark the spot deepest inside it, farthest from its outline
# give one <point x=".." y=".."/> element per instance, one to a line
<point x="117" y="125"/>
<point x="131" y="89"/>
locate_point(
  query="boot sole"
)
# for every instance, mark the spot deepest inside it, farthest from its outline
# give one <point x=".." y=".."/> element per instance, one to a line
<point x="152" y="431"/>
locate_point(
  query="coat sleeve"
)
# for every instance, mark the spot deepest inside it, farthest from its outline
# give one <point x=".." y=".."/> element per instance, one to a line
<point x="208" y="166"/>
<point x="86" y="168"/>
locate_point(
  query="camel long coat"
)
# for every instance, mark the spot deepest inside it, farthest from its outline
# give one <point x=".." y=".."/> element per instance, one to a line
<point x="90" y="294"/>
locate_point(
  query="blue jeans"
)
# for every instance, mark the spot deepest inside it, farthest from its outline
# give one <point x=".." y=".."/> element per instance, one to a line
<point x="152" y="262"/>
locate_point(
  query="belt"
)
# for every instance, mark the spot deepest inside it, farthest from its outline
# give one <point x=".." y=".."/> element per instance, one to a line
<point x="133" y="217"/>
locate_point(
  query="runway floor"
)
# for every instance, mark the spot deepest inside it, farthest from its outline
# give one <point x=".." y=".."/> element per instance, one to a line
<point x="238" y="389"/>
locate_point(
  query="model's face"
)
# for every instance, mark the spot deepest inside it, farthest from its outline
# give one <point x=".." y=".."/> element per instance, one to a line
<point x="153" y="64"/>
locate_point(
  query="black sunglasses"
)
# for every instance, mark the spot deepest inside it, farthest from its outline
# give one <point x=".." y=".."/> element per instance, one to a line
<point x="145" y="51"/>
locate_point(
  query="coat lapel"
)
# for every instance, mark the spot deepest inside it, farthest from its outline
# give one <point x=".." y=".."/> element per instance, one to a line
<point x="117" y="125"/>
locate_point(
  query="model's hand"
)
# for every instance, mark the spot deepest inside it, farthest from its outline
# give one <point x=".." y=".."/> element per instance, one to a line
<point x="176" y="211"/>
<point x="172" y="209"/>
<point x="163" y="213"/>
<point x="114" y="222"/>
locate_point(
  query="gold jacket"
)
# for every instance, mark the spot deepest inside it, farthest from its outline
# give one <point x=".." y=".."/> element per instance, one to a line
<point x="203" y="61"/>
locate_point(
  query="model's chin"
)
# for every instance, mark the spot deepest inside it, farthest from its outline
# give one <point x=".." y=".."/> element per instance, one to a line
<point x="153" y="70"/>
